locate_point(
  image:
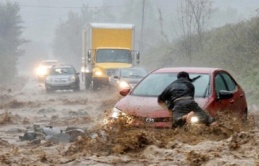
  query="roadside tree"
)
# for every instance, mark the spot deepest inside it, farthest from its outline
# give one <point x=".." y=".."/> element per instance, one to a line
<point x="10" y="39"/>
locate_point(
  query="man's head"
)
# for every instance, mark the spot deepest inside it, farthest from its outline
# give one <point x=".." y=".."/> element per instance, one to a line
<point x="184" y="74"/>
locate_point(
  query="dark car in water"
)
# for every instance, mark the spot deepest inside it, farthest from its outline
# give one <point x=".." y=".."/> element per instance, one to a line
<point x="127" y="77"/>
<point x="62" y="77"/>
<point x="215" y="90"/>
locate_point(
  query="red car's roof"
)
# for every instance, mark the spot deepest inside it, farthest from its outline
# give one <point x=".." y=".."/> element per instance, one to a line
<point x="187" y="69"/>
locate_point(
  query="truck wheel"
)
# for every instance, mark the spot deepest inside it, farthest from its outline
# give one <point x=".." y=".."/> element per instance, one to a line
<point x="95" y="85"/>
<point x="87" y="82"/>
<point x="77" y="88"/>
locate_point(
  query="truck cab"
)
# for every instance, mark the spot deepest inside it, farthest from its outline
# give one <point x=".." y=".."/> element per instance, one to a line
<point x="106" y="47"/>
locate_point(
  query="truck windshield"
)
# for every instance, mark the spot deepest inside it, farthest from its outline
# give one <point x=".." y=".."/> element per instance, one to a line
<point x="113" y="55"/>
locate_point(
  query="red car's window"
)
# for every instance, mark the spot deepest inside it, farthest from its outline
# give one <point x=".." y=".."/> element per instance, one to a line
<point x="224" y="82"/>
<point x="229" y="81"/>
<point x="219" y="83"/>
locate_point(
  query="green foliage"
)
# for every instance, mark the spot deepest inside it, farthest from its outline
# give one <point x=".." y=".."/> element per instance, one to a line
<point x="10" y="40"/>
<point x="233" y="47"/>
<point x="67" y="42"/>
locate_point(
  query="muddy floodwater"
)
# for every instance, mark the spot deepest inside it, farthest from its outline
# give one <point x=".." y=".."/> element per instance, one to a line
<point x="67" y="128"/>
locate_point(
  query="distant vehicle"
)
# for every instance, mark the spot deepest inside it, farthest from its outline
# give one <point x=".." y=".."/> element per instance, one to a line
<point x="215" y="90"/>
<point x="127" y="77"/>
<point x="62" y="77"/>
<point x="106" y="46"/>
<point x="43" y="69"/>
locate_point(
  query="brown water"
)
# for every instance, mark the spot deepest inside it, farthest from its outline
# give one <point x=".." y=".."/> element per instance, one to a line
<point x="228" y="143"/>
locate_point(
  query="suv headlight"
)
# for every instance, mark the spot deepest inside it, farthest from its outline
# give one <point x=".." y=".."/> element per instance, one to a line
<point x="72" y="79"/>
<point x="41" y="70"/>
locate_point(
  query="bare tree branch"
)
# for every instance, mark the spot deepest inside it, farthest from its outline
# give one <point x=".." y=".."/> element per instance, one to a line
<point x="193" y="16"/>
<point x="163" y="34"/>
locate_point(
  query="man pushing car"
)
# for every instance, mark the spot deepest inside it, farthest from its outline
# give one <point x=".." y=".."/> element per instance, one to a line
<point x="179" y="98"/>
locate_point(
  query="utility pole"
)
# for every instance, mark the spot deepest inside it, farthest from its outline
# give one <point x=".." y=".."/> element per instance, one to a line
<point x="142" y="25"/>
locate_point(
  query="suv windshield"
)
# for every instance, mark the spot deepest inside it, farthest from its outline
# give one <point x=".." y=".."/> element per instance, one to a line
<point x="155" y="83"/>
<point x="62" y="71"/>
<point x="113" y="55"/>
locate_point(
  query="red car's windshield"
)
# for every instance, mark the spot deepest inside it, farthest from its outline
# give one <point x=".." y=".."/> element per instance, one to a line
<point x="155" y="83"/>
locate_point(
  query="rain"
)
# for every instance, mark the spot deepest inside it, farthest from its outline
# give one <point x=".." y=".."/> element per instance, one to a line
<point x="47" y="118"/>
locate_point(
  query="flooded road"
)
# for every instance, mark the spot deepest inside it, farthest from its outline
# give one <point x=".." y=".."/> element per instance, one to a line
<point x="66" y="128"/>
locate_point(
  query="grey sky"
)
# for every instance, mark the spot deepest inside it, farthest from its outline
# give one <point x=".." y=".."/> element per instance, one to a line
<point x="42" y="16"/>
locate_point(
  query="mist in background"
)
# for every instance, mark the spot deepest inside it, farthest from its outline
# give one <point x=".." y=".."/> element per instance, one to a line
<point x="41" y="18"/>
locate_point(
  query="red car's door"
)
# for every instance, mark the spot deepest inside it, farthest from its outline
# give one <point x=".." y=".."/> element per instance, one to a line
<point x="238" y="99"/>
<point x="220" y="84"/>
<point x="223" y="81"/>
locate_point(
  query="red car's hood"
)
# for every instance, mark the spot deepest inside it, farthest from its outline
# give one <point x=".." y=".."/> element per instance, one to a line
<point x="142" y="107"/>
<point x="148" y="106"/>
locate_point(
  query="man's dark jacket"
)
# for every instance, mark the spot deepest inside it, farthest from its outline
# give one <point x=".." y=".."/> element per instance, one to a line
<point x="177" y="89"/>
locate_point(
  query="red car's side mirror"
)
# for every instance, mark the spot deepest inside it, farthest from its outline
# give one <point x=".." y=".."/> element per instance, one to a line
<point x="223" y="94"/>
<point x="124" y="92"/>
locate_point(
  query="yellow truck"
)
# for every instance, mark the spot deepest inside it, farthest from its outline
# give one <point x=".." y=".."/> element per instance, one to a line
<point x="106" y="47"/>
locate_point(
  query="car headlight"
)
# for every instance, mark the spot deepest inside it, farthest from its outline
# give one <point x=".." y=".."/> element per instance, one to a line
<point x="194" y="119"/>
<point x="116" y="113"/>
<point x="98" y="73"/>
<point x="72" y="79"/>
<point x="41" y="70"/>
<point x="117" y="116"/>
<point x="123" y="85"/>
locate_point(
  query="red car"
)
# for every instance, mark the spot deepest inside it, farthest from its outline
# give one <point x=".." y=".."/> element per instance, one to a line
<point x="216" y="90"/>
